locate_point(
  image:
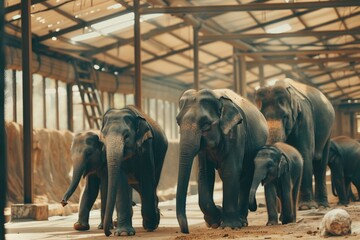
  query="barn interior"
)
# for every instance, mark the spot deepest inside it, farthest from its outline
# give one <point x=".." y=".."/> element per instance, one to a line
<point x="68" y="61"/>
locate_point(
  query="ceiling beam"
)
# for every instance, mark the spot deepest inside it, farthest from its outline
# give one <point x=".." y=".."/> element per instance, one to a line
<point x="302" y="52"/>
<point x="17" y="7"/>
<point x="80" y="26"/>
<point x="303" y="60"/>
<point x="144" y="37"/>
<point x="225" y="37"/>
<point x="248" y="7"/>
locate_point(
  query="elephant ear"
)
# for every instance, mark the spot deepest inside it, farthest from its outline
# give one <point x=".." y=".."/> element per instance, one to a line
<point x="143" y="131"/>
<point x="295" y="97"/>
<point x="230" y="115"/>
<point x="283" y="165"/>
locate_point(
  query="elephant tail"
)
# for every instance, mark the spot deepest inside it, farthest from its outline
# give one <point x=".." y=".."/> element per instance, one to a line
<point x="333" y="186"/>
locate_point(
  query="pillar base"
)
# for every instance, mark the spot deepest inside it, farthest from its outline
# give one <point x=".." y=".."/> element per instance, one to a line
<point x="38" y="212"/>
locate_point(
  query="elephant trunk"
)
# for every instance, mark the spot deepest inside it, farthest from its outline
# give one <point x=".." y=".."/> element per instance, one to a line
<point x="189" y="147"/>
<point x="276" y="131"/>
<point x="259" y="175"/>
<point x="114" y="155"/>
<point x="78" y="171"/>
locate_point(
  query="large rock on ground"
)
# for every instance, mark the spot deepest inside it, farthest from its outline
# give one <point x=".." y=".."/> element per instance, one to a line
<point x="336" y="222"/>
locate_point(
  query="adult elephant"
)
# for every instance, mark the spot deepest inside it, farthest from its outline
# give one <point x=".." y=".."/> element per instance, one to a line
<point x="301" y="116"/>
<point x="225" y="131"/>
<point x="135" y="151"/>
<point x="89" y="161"/>
<point x="344" y="163"/>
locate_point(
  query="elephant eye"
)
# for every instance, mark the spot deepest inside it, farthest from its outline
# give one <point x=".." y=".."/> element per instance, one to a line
<point x="206" y="127"/>
<point x="126" y="136"/>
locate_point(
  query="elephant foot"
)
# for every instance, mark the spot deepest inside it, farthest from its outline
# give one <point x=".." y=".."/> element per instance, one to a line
<point x="244" y="222"/>
<point x="214" y="221"/>
<point x="343" y="203"/>
<point x="323" y="204"/>
<point x="81" y="226"/>
<point x="231" y="220"/>
<point x="272" y="223"/>
<point x="151" y="223"/>
<point x="124" y="231"/>
<point x="307" y="205"/>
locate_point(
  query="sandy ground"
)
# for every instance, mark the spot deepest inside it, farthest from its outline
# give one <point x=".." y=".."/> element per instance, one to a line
<point x="307" y="226"/>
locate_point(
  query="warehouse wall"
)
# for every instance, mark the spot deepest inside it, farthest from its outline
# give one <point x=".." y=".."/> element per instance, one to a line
<point x="64" y="71"/>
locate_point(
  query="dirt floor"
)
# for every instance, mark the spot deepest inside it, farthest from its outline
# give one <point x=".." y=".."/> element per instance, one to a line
<point x="307" y="226"/>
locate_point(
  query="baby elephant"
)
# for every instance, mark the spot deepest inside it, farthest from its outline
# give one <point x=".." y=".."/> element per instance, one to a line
<point x="279" y="168"/>
<point x="344" y="163"/>
<point x="89" y="161"/>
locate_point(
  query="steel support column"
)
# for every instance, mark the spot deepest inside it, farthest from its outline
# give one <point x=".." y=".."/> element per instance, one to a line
<point x="27" y="99"/>
<point x="261" y="75"/>
<point x="3" y="158"/>
<point x="137" y="47"/>
<point x="196" y="56"/>
<point x="236" y="71"/>
<point x="242" y="76"/>
<point x="70" y="109"/>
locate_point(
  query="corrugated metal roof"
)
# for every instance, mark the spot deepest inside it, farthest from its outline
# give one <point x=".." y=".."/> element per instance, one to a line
<point x="319" y="59"/>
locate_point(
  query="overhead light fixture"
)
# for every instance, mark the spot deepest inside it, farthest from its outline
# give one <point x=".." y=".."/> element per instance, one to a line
<point x="16" y="17"/>
<point x="96" y="67"/>
<point x="54" y="38"/>
<point x="113" y="25"/>
<point x="85" y="36"/>
<point x="279" y="29"/>
<point x="114" y="6"/>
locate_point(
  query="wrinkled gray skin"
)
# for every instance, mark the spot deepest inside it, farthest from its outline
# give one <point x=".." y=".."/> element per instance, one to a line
<point x="344" y="163"/>
<point x="303" y="117"/>
<point x="88" y="161"/>
<point x="279" y="168"/>
<point x="225" y="131"/>
<point x="135" y="150"/>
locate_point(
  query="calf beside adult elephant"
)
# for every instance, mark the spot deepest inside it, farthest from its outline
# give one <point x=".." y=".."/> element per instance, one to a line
<point x="88" y="161"/>
<point x="225" y="131"/>
<point x="279" y="168"/>
<point x="301" y="116"/>
<point x="135" y="150"/>
<point x="344" y="163"/>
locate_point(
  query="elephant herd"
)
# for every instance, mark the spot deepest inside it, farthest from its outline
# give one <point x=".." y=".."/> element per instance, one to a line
<point x="281" y="142"/>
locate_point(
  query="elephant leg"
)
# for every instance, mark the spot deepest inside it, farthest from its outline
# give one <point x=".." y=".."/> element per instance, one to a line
<point x="124" y="207"/>
<point x="149" y="200"/>
<point x="295" y="194"/>
<point x="244" y="192"/>
<point x="206" y="180"/>
<point x="320" y="166"/>
<point x="348" y="190"/>
<point x="87" y="201"/>
<point x="149" y="208"/>
<point x="287" y="203"/>
<point x="306" y="199"/>
<point x="271" y="204"/>
<point x="338" y="179"/>
<point x="103" y="194"/>
<point x="320" y="184"/>
<point x="230" y="176"/>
